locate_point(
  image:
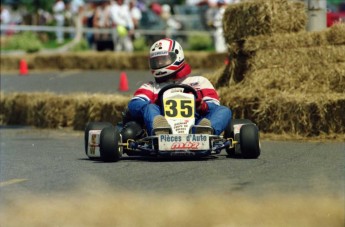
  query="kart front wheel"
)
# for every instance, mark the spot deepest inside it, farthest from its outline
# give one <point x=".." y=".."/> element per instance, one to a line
<point x="229" y="133"/>
<point x="249" y="141"/>
<point x="93" y="126"/>
<point x="109" y="144"/>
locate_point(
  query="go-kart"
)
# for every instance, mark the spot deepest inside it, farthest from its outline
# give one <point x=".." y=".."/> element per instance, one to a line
<point x="108" y="143"/>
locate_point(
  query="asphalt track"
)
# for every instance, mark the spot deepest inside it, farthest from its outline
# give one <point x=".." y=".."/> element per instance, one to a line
<point x="47" y="162"/>
<point x="51" y="161"/>
<point x="66" y="82"/>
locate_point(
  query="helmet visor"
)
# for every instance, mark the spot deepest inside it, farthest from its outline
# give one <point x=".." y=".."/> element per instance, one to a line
<point x="161" y="61"/>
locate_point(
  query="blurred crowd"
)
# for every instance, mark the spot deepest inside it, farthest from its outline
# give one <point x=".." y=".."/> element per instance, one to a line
<point x="125" y="17"/>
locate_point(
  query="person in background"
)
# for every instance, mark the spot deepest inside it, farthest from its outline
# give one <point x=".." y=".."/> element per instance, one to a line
<point x="76" y="10"/>
<point x="168" y="66"/>
<point x="123" y="24"/>
<point x="58" y="10"/>
<point x="101" y="19"/>
<point x="5" y="18"/>
<point x="156" y="8"/>
<point x="219" y="41"/>
<point x="172" y="25"/>
<point x="135" y="13"/>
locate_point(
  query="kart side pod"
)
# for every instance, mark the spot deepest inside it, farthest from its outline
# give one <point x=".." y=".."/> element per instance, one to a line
<point x="93" y="150"/>
<point x="103" y="140"/>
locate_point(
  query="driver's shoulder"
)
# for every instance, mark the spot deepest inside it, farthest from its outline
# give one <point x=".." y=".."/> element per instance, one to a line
<point x="196" y="79"/>
<point x="148" y="84"/>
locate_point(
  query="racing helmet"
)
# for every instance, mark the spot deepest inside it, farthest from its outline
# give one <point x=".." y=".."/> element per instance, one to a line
<point x="166" y="59"/>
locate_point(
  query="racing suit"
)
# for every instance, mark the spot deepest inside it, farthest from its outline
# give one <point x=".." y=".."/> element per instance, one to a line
<point x="144" y="103"/>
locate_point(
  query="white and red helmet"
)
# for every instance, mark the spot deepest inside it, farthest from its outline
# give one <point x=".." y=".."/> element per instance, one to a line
<point x="166" y="59"/>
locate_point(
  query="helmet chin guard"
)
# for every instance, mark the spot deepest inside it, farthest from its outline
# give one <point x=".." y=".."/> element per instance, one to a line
<point x="166" y="59"/>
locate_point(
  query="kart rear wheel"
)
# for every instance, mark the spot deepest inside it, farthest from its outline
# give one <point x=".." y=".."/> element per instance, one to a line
<point x="109" y="144"/>
<point x="93" y="126"/>
<point x="249" y="141"/>
<point x="229" y="133"/>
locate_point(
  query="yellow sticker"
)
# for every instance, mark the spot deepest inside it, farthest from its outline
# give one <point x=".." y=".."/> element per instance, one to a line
<point x="178" y="108"/>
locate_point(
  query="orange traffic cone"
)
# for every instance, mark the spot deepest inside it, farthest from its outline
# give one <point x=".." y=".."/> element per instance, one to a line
<point x="123" y="82"/>
<point x="23" y="67"/>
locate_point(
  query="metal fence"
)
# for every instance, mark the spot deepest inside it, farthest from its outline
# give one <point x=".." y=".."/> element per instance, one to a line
<point x="142" y="32"/>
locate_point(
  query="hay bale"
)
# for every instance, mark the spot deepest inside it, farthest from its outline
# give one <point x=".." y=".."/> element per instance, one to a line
<point x="47" y="110"/>
<point x="50" y="111"/>
<point x="98" y="108"/>
<point x="296" y="58"/>
<point x="313" y="79"/>
<point x="289" y="113"/>
<point x="334" y="35"/>
<point x="263" y="17"/>
<point x="292" y="59"/>
<point x="14" y="109"/>
<point x="104" y="60"/>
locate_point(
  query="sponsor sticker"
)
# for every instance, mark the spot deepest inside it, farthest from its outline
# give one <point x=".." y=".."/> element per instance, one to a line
<point x="159" y="53"/>
<point x="94" y="136"/>
<point x="181" y="126"/>
<point x="184" y="142"/>
<point x="237" y="128"/>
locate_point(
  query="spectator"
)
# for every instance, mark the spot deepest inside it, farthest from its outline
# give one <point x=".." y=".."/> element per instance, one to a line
<point x="5" y="18"/>
<point x="44" y="17"/>
<point x="172" y="25"/>
<point x="156" y="8"/>
<point x="76" y="9"/>
<point x="135" y="13"/>
<point x="215" y="2"/>
<point x="101" y="19"/>
<point x="123" y="23"/>
<point x="90" y="10"/>
<point x="196" y="2"/>
<point x="219" y="40"/>
<point x="58" y="10"/>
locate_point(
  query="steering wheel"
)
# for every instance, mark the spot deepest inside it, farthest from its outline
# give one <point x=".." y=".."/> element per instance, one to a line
<point x="186" y="89"/>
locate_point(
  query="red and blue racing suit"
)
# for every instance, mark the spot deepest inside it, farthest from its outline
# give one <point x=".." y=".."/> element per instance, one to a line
<point x="144" y="103"/>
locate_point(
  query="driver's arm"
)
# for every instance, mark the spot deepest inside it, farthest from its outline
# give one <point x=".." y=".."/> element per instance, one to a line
<point x="207" y="96"/>
<point x="142" y="97"/>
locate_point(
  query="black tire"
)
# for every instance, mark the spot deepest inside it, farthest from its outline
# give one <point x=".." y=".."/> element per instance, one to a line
<point x="93" y="126"/>
<point x="229" y="133"/>
<point x="109" y="144"/>
<point x="249" y="141"/>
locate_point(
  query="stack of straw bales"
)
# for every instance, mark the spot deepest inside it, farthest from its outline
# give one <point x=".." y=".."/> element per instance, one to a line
<point x="265" y="17"/>
<point x="285" y="79"/>
<point x="102" y="60"/>
<point x="47" y="110"/>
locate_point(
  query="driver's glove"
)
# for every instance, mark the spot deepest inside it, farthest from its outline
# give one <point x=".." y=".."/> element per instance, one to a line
<point x="201" y="106"/>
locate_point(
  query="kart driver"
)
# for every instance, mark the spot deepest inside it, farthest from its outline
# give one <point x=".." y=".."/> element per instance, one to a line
<point x="168" y="66"/>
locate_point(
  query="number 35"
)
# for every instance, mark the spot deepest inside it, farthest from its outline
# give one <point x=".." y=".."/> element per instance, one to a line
<point x="179" y="108"/>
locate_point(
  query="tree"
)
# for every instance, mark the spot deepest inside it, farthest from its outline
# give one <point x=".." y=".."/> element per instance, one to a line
<point x="34" y="5"/>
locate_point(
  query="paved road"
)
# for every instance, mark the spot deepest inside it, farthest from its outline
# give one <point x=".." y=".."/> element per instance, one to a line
<point x="50" y="161"/>
<point x="63" y="82"/>
<point x="51" y="164"/>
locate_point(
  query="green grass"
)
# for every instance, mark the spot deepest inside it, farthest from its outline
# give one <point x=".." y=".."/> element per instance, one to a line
<point x="53" y="44"/>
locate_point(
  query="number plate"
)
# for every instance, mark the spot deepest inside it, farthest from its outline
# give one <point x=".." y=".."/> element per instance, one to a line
<point x="178" y="108"/>
<point x="171" y="142"/>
